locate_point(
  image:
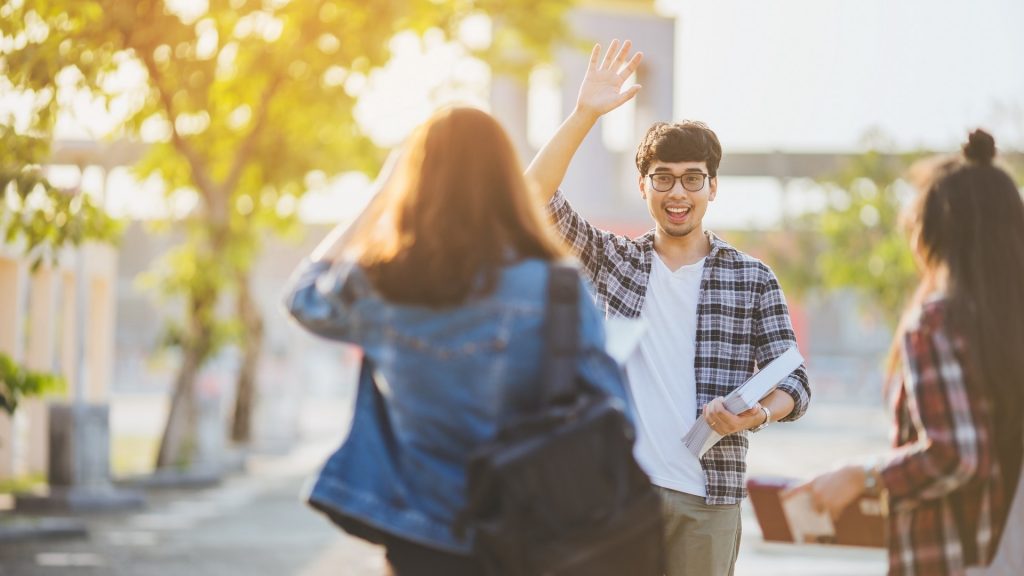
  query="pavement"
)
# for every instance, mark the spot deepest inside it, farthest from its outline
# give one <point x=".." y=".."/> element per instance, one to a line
<point x="256" y="524"/>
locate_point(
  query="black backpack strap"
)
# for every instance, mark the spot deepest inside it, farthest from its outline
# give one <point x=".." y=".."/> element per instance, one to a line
<point x="561" y="334"/>
<point x="557" y="380"/>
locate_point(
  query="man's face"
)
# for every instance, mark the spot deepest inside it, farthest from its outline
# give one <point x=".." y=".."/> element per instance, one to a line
<point x="678" y="211"/>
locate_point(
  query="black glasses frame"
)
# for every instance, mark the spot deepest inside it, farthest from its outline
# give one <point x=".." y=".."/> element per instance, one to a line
<point x="703" y="181"/>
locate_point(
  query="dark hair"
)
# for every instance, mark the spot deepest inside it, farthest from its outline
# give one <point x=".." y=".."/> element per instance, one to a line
<point x="969" y="221"/>
<point x="685" y="141"/>
<point x="456" y="210"/>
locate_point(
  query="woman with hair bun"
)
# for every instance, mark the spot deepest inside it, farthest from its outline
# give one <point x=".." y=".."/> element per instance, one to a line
<point x="956" y="378"/>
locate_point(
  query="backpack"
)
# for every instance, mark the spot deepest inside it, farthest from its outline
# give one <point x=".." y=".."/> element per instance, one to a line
<point x="558" y="492"/>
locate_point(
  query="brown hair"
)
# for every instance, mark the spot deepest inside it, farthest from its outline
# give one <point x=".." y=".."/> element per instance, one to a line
<point x="685" y="141"/>
<point x="968" y="223"/>
<point x="456" y="209"/>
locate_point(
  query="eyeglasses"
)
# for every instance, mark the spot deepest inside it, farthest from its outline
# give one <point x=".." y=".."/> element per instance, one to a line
<point x="692" y="181"/>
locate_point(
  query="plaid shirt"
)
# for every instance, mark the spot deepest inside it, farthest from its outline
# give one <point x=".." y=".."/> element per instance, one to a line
<point x="947" y="497"/>
<point x="742" y="323"/>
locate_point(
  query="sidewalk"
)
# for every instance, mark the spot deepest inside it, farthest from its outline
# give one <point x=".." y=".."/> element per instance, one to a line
<point x="255" y="524"/>
<point x="250" y="524"/>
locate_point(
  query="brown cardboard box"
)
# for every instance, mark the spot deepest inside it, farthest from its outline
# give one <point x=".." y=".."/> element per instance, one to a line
<point x="861" y="524"/>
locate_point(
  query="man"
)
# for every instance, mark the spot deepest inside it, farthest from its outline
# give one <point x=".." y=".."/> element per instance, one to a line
<point x="713" y="315"/>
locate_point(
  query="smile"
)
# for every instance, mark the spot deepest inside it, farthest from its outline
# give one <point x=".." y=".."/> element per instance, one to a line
<point x="677" y="214"/>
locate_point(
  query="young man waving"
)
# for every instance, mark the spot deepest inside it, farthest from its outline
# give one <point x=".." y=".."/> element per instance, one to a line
<point x="714" y="315"/>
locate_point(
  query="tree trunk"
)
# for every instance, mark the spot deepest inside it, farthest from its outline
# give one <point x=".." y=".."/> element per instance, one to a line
<point x="252" y="346"/>
<point x="179" y="439"/>
<point x="177" y="447"/>
<point x="179" y="442"/>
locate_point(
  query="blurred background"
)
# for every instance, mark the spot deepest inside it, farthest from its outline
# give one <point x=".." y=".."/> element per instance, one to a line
<point x="165" y="164"/>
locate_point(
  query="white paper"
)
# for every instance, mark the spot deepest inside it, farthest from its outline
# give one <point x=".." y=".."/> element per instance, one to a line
<point x="700" y="438"/>
<point x="805" y="523"/>
<point x="623" y="336"/>
<point x="764" y="380"/>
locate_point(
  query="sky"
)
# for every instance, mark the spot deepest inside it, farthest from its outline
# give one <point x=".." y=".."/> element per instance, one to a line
<point x="837" y="75"/>
<point x="794" y="75"/>
<point x="821" y="74"/>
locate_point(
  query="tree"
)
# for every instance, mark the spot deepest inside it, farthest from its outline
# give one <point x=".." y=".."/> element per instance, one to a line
<point x="865" y="246"/>
<point x="252" y="96"/>
<point x="40" y="220"/>
<point x="36" y="214"/>
<point x="16" y="383"/>
<point x="857" y="240"/>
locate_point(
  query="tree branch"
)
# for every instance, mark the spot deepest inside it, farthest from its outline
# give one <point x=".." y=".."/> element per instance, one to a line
<point x="207" y="188"/>
<point x="201" y="175"/>
<point x="242" y="154"/>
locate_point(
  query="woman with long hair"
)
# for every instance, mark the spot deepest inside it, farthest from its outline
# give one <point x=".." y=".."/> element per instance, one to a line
<point x="442" y="282"/>
<point x="957" y="379"/>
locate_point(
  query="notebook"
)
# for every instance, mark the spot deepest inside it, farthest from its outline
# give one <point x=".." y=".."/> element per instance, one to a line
<point x="700" y="438"/>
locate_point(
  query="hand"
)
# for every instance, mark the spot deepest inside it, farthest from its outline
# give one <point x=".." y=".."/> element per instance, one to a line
<point x="724" y="422"/>
<point x="601" y="92"/>
<point x="833" y="491"/>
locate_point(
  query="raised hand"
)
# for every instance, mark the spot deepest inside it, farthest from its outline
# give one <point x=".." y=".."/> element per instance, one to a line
<point x="601" y="91"/>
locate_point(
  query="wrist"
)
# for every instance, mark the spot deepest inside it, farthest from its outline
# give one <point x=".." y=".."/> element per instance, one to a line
<point x="766" y="419"/>
<point x="871" y="478"/>
<point x="585" y="114"/>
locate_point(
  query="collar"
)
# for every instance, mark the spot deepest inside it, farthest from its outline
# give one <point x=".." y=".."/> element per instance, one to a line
<point x="717" y="244"/>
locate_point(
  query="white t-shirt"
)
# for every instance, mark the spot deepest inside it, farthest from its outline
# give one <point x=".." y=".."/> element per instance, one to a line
<point x="662" y="381"/>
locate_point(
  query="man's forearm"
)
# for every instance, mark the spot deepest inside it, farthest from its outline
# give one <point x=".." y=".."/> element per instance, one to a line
<point x="779" y="403"/>
<point x="552" y="162"/>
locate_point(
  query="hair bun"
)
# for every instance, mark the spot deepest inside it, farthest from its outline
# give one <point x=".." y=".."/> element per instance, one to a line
<point x="980" y="147"/>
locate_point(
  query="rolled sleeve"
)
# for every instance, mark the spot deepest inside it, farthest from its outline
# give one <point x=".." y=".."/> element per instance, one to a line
<point x="946" y="454"/>
<point x="773" y="335"/>
<point x="586" y="241"/>
<point x="319" y="297"/>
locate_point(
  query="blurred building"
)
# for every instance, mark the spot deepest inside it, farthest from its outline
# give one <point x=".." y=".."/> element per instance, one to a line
<point x="844" y="346"/>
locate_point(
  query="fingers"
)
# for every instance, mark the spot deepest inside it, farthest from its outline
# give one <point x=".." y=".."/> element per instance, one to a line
<point x="709" y="411"/>
<point x="631" y="66"/>
<point x="718" y="407"/>
<point x="717" y="416"/>
<point x="793" y="490"/>
<point x="620" y="57"/>
<point x="609" y="56"/>
<point x="627" y="95"/>
<point x="756" y="408"/>
<point x="818" y="503"/>
<point x="595" y="56"/>
<point x="710" y="417"/>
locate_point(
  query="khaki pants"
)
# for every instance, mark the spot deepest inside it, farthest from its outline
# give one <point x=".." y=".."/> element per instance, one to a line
<point x="700" y="539"/>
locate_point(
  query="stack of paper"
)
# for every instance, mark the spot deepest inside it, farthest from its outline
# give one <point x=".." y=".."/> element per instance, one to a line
<point x="701" y="437"/>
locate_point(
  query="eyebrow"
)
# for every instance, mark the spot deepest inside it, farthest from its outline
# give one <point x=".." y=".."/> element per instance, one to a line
<point x="687" y="171"/>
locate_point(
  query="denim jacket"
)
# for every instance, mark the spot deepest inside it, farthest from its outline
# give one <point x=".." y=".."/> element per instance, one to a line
<point x="445" y="380"/>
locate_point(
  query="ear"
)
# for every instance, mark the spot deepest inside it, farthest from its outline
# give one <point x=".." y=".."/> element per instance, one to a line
<point x="640" y="184"/>
<point x="714" y="188"/>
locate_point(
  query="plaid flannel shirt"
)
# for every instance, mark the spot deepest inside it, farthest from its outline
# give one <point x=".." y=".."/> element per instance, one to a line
<point x="947" y="497"/>
<point x="742" y="323"/>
